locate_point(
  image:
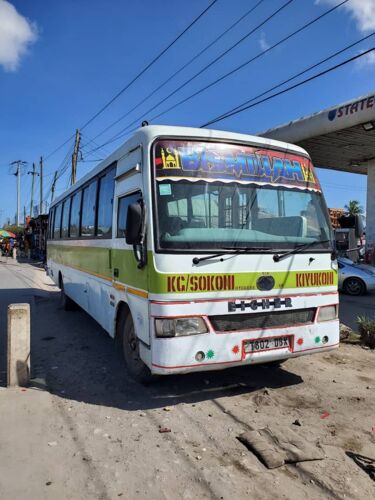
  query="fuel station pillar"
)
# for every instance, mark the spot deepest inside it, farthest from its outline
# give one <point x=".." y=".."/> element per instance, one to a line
<point x="370" y="211"/>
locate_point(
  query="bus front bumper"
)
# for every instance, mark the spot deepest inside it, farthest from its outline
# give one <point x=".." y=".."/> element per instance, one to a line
<point x="213" y="351"/>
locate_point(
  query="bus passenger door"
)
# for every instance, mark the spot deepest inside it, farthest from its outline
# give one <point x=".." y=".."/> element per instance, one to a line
<point x="130" y="281"/>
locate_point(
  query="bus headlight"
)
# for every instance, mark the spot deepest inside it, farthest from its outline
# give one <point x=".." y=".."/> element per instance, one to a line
<point x="328" y="313"/>
<point x="179" y="327"/>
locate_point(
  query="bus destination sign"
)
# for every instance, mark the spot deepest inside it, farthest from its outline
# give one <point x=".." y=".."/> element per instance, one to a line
<point x="232" y="162"/>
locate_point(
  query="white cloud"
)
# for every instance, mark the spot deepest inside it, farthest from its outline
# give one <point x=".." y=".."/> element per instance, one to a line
<point x="367" y="60"/>
<point x="363" y="11"/>
<point x="16" y="35"/>
<point x="264" y="45"/>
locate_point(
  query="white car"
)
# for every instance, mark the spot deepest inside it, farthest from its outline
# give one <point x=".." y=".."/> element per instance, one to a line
<point x="355" y="279"/>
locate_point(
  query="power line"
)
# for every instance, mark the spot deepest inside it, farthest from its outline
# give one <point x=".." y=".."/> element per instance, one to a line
<point x="292" y="87"/>
<point x="347" y="61"/>
<point x="226" y="75"/>
<point x="224" y="115"/>
<point x="64" y="165"/>
<point x="184" y="66"/>
<point x="116" y="96"/>
<point x="58" y="148"/>
<point x="91" y="141"/>
<point x="214" y="61"/>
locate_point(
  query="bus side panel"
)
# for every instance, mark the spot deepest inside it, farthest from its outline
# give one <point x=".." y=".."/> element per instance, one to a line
<point x="99" y="302"/>
<point x="139" y="308"/>
<point x="75" y="285"/>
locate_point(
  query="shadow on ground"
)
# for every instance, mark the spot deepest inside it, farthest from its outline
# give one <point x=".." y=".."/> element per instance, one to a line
<point x="78" y="361"/>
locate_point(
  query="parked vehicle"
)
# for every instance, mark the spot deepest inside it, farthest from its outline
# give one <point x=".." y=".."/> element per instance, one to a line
<point x="355" y="279"/>
<point x="198" y="250"/>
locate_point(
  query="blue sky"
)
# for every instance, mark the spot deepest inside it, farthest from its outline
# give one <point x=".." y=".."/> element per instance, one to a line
<point x="67" y="58"/>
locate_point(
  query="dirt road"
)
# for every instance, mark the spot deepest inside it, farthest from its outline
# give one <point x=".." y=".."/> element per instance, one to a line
<point x="86" y="431"/>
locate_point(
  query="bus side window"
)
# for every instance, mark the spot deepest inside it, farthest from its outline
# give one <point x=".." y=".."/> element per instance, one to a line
<point x="75" y="213"/>
<point x="122" y="211"/>
<point x="88" y="210"/>
<point x="65" y="219"/>
<point x="105" y="204"/>
<point x="57" y="222"/>
<point x="50" y="223"/>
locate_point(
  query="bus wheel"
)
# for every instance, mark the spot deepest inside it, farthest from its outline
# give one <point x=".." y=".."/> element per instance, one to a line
<point x="66" y="302"/>
<point x="130" y="346"/>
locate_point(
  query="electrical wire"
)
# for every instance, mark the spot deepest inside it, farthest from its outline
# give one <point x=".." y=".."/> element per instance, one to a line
<point x="292" y="87"/>
<point x="214" y="61"/>
<point x="60" y="171"/>
<point x="226" y="75"/>
<point x="89" y="141"/>
<point x="288" y="89"/>
<point x="58" y="148"/>
<point x="116" y="96"/>
<point x="184" y="66"/>
<point x="300" y="73"/>
<point x="121" y="91"/>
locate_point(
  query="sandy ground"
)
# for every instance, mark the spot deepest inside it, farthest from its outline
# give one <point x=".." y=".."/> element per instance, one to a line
<point x="86" y="431"/>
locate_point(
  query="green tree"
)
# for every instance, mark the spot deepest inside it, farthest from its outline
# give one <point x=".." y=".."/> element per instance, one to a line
<point x="354" y="208"/>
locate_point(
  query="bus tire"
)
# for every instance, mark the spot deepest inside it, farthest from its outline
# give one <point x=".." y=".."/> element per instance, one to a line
<point x="130" y="348"/>
<point x="66" y="302"/>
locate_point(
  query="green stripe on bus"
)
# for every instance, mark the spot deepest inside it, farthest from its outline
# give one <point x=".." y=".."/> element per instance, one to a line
<point x="103" y="261"/>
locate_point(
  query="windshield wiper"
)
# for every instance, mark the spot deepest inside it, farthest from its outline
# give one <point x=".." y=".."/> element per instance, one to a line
<point x="196" y="260"/>
<point x="234" y="251"/>
<point x="277" y="257"/>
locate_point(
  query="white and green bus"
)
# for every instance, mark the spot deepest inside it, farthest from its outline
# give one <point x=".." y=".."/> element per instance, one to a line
<point x="199" y="250"/>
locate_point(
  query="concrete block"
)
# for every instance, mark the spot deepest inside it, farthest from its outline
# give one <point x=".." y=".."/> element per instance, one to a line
<point x="18" y="345"/>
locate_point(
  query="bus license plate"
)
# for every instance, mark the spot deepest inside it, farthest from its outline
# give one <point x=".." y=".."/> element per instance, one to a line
<point x="266" y="344"/>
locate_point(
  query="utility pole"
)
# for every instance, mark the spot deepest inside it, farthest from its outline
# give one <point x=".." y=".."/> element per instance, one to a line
<point x="53" y="188"/>
<point x="41" y="185"/>
<point x="33" y="173"/>
<point x="18" y="175"/>
<point x="75" y="156"/>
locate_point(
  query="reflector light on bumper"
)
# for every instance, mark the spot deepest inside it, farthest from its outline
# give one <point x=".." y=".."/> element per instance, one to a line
<point x="179" y="327"/>
<point x="328" y="313"/>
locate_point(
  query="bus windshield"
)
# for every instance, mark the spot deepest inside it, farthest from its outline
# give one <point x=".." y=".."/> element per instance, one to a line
<point x="202" y="215"/>
<point x="213" y="196"/>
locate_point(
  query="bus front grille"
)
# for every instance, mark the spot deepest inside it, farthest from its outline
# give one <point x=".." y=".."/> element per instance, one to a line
<point x="274" y="319"/>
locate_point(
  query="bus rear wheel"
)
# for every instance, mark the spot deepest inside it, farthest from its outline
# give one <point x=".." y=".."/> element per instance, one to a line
<point x="130" y="347"/>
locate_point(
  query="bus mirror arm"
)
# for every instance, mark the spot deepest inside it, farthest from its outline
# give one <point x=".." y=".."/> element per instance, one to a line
<point x="136" y="231"/>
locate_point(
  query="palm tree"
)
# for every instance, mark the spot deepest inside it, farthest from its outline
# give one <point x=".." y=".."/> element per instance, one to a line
<point x="354" y="208"/>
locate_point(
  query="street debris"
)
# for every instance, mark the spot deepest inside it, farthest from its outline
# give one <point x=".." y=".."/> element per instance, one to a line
<point x="365" y="463"/>
<point x="163" y="430"/>
<point x="52" y="443"/>
<point x="324" y="415"/>
<point x="279" y="446"/>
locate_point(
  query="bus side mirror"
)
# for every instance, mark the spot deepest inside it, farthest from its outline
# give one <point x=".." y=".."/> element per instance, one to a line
<point x="134" y="224"/>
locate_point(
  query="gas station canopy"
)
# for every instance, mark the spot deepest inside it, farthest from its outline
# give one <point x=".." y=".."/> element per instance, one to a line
<point x="339" y="138"/>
